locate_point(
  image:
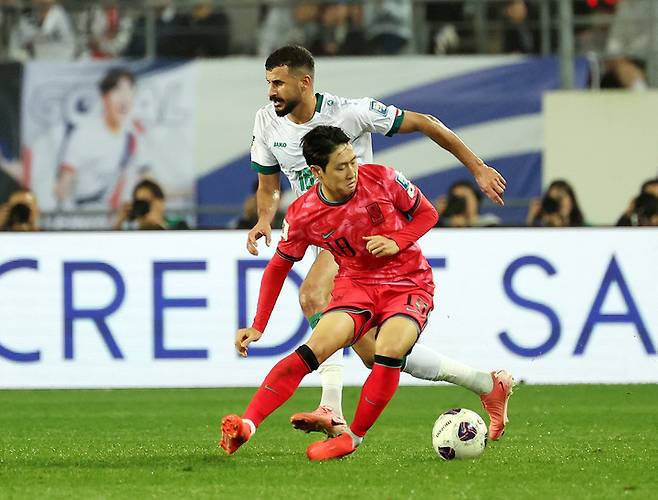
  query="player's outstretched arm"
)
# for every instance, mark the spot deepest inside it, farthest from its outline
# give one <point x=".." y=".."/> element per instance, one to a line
<point x="267" y="203"/>
<point x="270" y="287"/>
<point x="488" y="179"/>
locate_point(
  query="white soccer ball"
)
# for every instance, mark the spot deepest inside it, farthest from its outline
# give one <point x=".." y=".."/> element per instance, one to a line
<point x="459" y="433"/>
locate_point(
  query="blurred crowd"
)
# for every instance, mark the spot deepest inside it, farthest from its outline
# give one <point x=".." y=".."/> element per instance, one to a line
<point x="620" y="31"/>
<point x="460" y="207"/>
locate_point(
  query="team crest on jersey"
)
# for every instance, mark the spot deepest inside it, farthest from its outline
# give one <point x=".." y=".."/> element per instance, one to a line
<point x="406" y="184"/>
<point x="284" y="230"/>
<point x="378" y="107"/>
<point x="375" y="213"/>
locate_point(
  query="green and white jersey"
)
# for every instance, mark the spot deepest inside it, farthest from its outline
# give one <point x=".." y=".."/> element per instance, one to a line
<point x="276" y="144"/>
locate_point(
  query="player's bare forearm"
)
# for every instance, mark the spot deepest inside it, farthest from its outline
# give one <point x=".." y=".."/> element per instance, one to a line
<point x="268" y="196"/>
<point x="488" y="179"/>
<point x="433" y="128"/>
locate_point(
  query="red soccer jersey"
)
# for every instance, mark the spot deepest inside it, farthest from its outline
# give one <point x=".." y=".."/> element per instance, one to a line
<point x="382" y="204"/>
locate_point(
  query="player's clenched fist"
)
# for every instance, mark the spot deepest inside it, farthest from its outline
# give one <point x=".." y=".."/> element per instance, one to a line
<point x="244" y="337"/>
<point x="381" y="246"/>
<point x="259" y="230"/>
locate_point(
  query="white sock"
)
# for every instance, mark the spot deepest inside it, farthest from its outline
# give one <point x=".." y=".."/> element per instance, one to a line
<point x="426" y="364"/>
<point x="331" y="376"/>
<point x="251" y="425"/>
<point x="356" y="440"/>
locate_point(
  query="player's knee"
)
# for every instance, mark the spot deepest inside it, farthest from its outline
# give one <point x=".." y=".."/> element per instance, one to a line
<point x="392" y="351"/>
<point x="312" y="299"/>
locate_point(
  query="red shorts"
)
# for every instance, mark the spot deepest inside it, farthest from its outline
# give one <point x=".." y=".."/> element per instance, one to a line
<point x="371" y="305"/>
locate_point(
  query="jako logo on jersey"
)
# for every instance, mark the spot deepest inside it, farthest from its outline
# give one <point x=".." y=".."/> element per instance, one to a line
<point x="280" y="144"/>
<point x="378" y="107"/>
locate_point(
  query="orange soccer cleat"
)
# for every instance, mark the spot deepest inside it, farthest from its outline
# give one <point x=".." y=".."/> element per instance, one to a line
<point x="235" y="433"/>
<point x="321" y="420"/>
<point x="495" y="403"/>
<point x="337" y="447"/>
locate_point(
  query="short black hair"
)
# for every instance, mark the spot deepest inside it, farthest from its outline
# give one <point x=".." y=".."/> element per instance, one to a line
<point x="293" y="56"/>
<point x="152" y="186"/>
<point x="112" y="78"/>
<point x="319" y="143"/>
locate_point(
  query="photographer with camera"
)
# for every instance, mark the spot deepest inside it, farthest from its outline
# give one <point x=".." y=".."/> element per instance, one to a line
<point x="461" y="208"/>
<point x="147" y="209"/>
<point x="558" y="208"/>
<point x="20" y="213"/>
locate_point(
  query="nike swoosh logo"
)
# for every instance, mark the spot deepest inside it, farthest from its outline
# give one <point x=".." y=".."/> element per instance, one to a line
<point x="370" y="402"/>
<point x="325" y="236"/>
<point x="268" y="388"/>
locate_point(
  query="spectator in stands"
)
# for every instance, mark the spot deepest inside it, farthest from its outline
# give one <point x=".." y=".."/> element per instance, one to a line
<point x="43" y="32"/>
<point x="147" y="210"/>
<point x="388" y="25"/>
<point x="646" y="210"/>
<point x="517" y="34"/>
<point x="20" y="213"/>
<point x="640" y="204"/>
<point x="443" y="19"/>
<point x="286" y="25"/>
<point x="207" y="32"/>
<point x="461" y="208"/>
<point x="110" y="29"/>
<point x="629" y="44"/>
<point x="340" y="30"/>
<point x="558" y="208"/>
<point x="168" y="26"/>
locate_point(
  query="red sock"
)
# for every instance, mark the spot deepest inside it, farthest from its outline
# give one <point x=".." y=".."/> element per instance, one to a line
<point x="376" y="393"/>
<point x="276" y="389"/>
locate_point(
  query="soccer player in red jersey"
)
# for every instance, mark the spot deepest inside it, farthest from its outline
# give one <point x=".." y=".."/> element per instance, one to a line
<point x="369" y="217"/>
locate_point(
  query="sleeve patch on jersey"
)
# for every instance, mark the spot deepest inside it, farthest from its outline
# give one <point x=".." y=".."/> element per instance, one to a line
<point x="378" y="107"/>
<point x="406" y="184"/>
<point x="284" y="230"/>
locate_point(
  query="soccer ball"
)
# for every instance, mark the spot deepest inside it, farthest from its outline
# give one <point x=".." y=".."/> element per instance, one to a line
<point x="459" y="433"/>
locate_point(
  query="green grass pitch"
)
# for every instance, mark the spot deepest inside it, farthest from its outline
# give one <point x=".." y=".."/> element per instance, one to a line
<point x="582" y="441"/>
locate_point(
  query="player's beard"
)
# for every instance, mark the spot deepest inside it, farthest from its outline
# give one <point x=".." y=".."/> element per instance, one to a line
<point x="289" y="106"/>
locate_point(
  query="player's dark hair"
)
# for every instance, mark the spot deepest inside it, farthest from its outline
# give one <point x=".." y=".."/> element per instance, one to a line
<point x="319" y="143"/>
<point x="293" y="56"/>
<point x="112" y="79"/>
<point x="152" y="186"/>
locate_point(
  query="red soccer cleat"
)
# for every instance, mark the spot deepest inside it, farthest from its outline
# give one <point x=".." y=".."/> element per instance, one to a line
<point x="495" y="403"/>
<point x="337" y="447"/>
<point x="321" y="420"/>
<point x="235" y="433"/>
